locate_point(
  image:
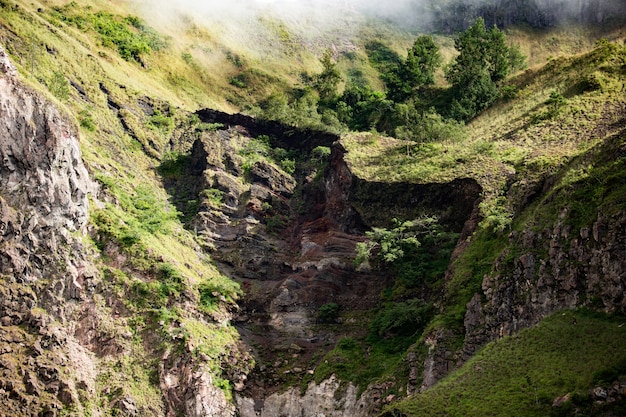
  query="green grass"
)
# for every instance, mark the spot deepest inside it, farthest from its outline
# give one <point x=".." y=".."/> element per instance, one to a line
<point x="592" y="183"/>
<point x="521" y="375"/>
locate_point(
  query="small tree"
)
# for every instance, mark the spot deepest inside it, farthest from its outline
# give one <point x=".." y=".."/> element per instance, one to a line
<point x="422" y="61"/>
<point x="390" y="245"/>
<point x="327" y="81"/>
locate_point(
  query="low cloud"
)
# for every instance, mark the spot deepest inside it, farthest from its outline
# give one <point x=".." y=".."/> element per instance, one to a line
<point x="315" y="16"/>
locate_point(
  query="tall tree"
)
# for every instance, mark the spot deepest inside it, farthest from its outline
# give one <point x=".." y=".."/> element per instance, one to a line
<point x="422" y="61"/>
<point x="417" y="70"/>
<point x="483" y="62"/>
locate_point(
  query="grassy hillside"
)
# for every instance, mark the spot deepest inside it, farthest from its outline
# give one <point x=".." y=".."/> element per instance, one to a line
<point x="568" y="353"/>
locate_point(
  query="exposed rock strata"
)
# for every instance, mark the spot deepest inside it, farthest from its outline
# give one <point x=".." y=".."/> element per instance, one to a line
<point x="44" y="272"/>
<point x="290" y="271"/>
<point x="60" y="327"/>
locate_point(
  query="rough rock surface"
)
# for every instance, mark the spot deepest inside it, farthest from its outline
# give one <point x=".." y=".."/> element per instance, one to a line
<point x="583" y="267"/>
<point x="291" y="242"/>
<point x="44" y="273"/>
<point x="188" y="387"/>
<point x="329" y="398"/>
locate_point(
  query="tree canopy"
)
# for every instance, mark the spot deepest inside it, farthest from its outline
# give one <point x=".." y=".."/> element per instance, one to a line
<point x="417" y="70"/>
<point x="483" y="62"/>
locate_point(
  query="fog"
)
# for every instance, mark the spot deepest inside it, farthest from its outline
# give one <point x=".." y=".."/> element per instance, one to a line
<point x="320" y="11"/>
<point x="305" y="17"/>
<point x="313" y="17"/>
<point x="414" y="13"/>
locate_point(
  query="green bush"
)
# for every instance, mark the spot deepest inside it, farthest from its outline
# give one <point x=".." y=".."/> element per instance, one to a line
<point x="320" y="153"/>
<point x="328" y="313"/>
<point x="161" y="121"/>
<point x="288" y="165"/>
<point x="129" y="35"/>
<point x="213" y="292"/>
<point x="173" y="164"/>
<point x="399" y="319"/>
<point x="86" y="121"/>
<point x="214" y="197"/>
<point x="152" y="214"/>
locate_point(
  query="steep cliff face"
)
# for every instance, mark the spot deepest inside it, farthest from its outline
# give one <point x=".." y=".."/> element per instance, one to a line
<point x="45" y="272"/>
<point x="575" y="260"/>
<point x="71" y="340"/>
<point x="289" y="239"/>
<point x="328" y="398"/>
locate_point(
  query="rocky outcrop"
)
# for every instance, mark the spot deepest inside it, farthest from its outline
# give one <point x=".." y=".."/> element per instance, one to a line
<point x="282" y="136"/>
<point x="44" y="273"/>
<point x="290" y="241"/>
<point x="556" y="269"/>
<point x="330" y="398"/>
<point x="189" y="388"/>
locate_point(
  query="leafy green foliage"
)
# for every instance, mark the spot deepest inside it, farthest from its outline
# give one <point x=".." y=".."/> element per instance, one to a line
<point x="260" y="148"/>
<point x="417" y="70"/>
<point x="483" y="61"/>
<point x="390" y="245"/>
<point x="320" y="153"/>
<point x="362" y="108"/>
<point x="354" y="360"/>
<point x="161" y="121"/>
<point x="58" y="85"/>
<point x="326" y="82"/>
<point x="137" y="214"/>
<point x="86" y="121"/>
<point x="496" y="215"/>
<point x="479" y="48"/>
<point x="473" y="96"/>
<point x="212" y="293"/>
<point x="214" y="197"/>
<point x="173" y="164"/>
<point x="398" y="324"/>
<point x="555" y="102"/>
<point x="345" y="360"/>
<point x="328" y="313"/>
<point x="426" y="126"/>
<point x="129" y="35"/>
<point x="382" y="56"/>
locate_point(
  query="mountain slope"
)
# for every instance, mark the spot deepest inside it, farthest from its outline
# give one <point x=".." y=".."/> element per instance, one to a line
<point x="200" y="219"/>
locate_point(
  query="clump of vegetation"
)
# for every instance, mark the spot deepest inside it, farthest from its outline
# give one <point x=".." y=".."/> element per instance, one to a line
<point x="173" y="164"/>
<point x="328" y="313"/>
<point x="411" y="107"/>
<point x="483" y="62"/>
<point x="58" y="85"/>
<point x="260" y="149"/>
<point x="162" y="121"/>
<point x="396" y="244"/>
<point x="129" y="35"/>
<point x="399" y="324"/>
